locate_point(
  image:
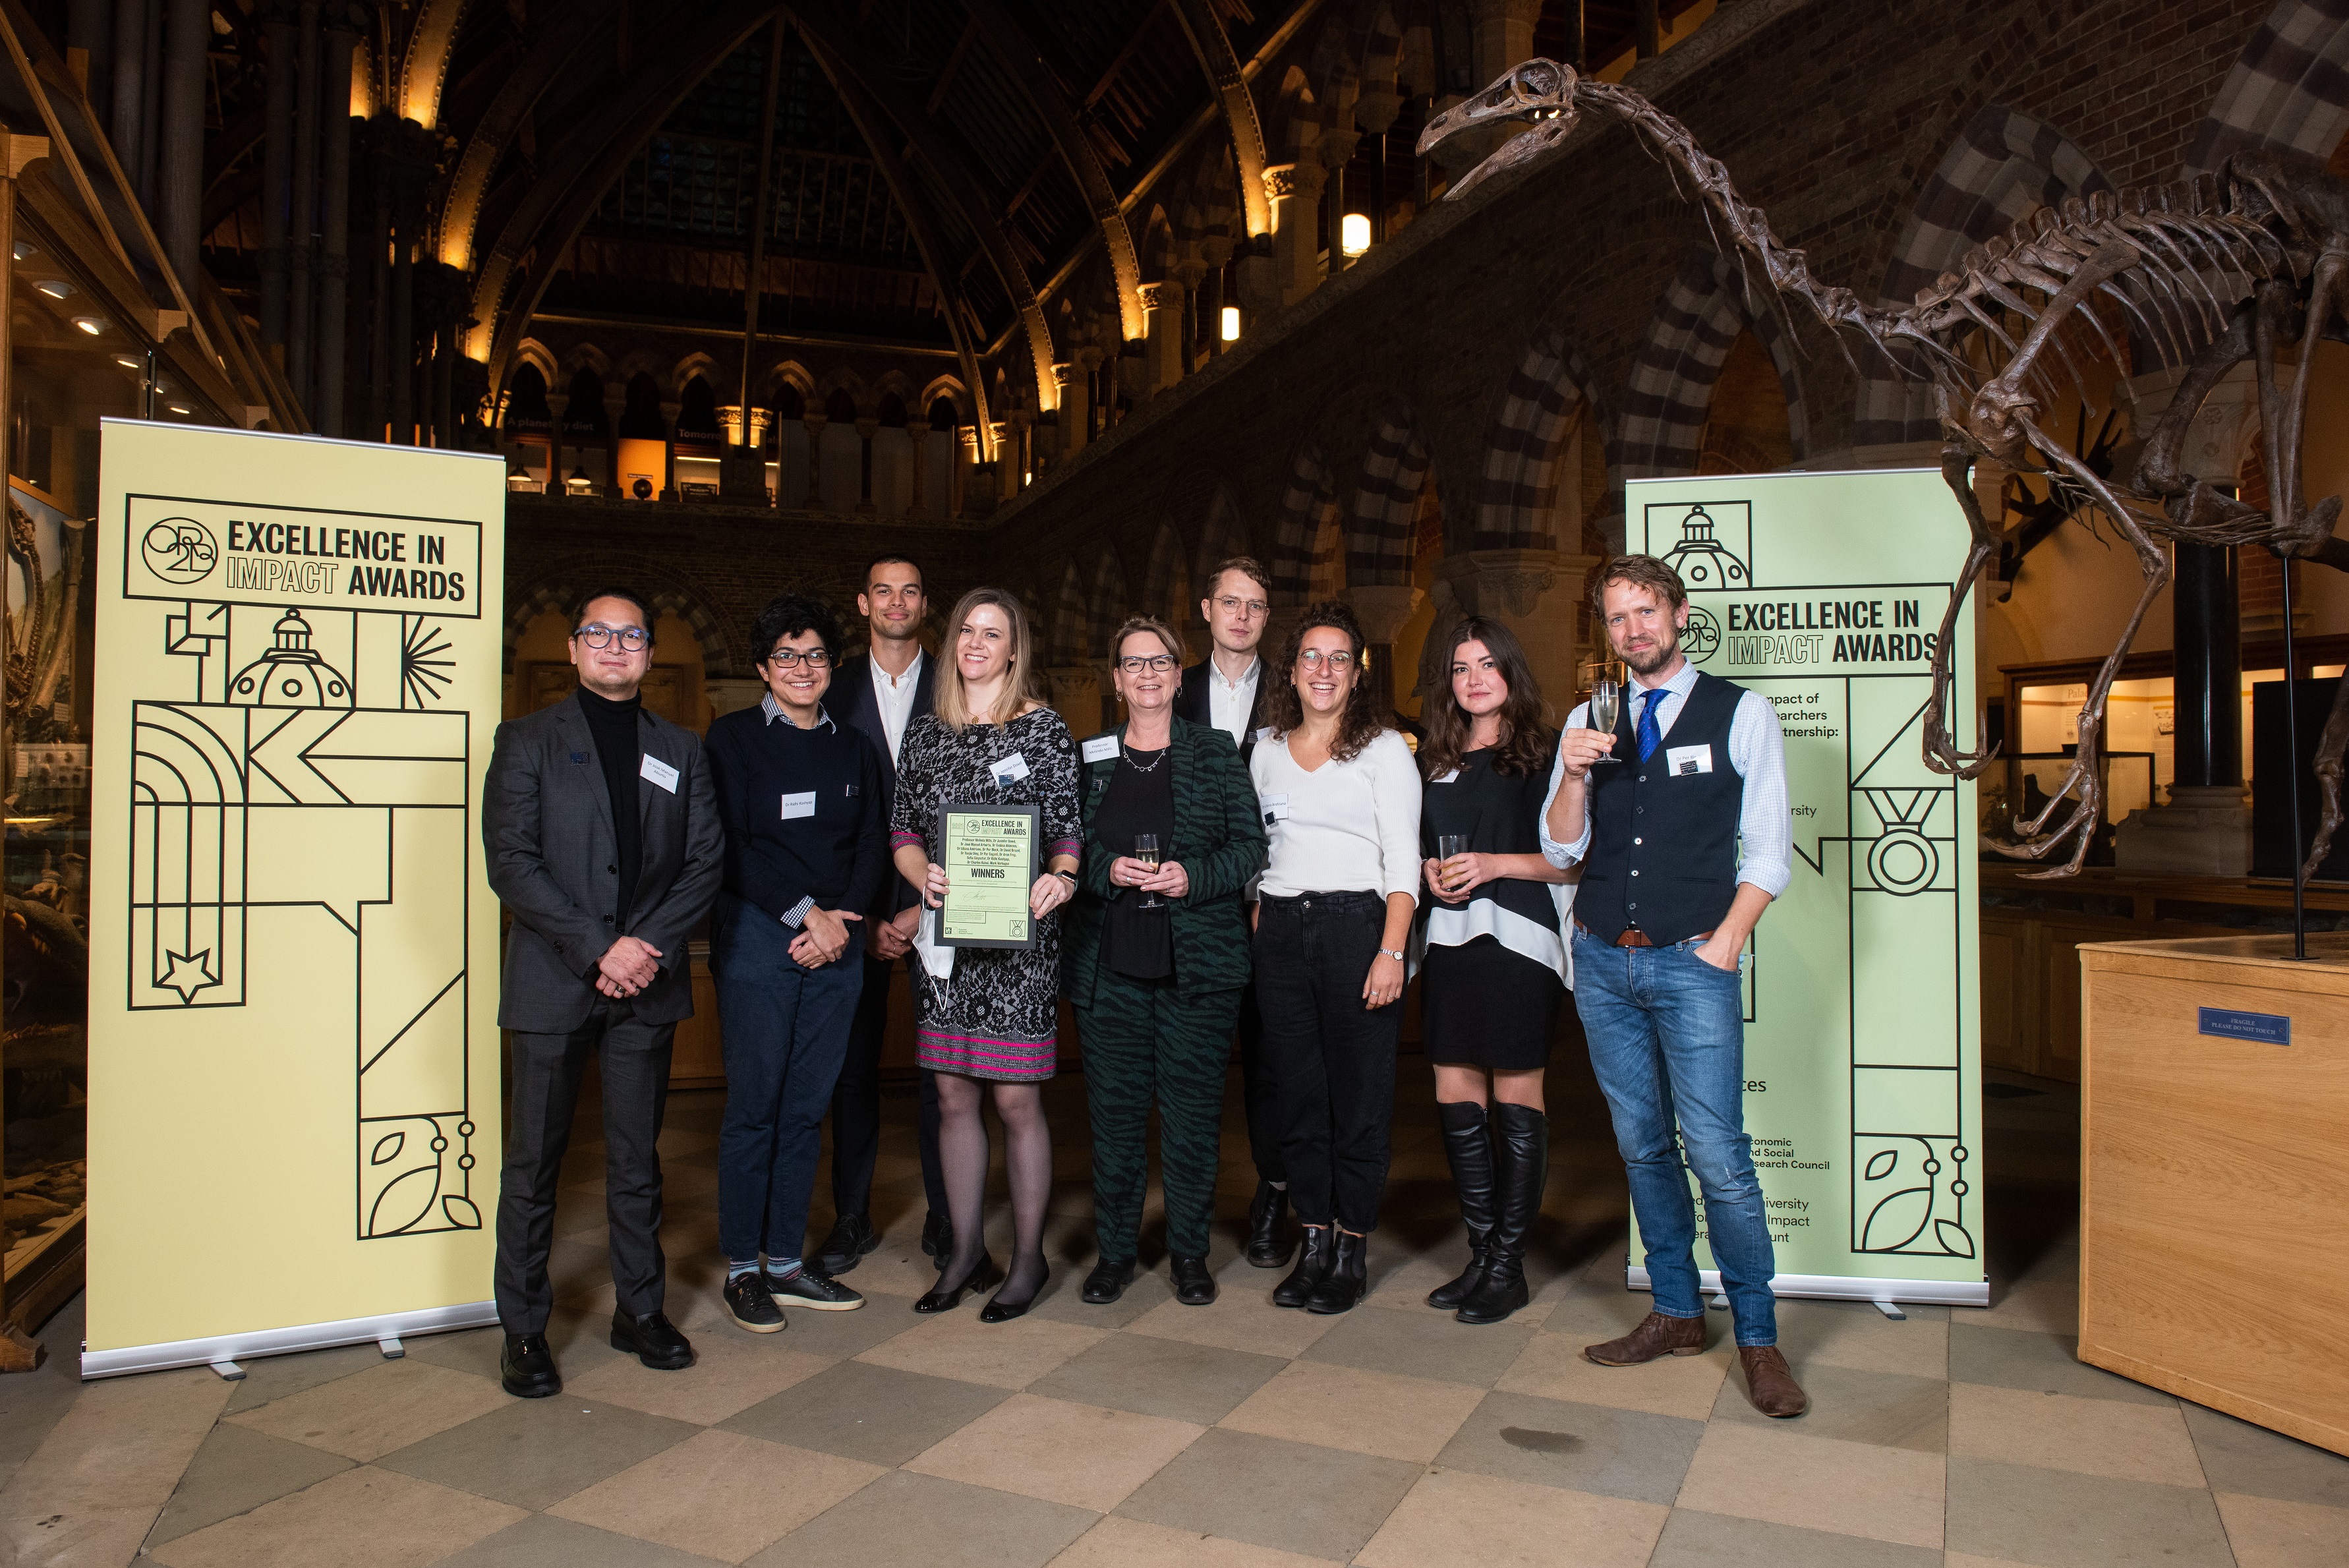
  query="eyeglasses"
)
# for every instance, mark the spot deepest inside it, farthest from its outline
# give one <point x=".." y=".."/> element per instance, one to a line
<point x="1314" y="658"/>
<point x="1157" y="663"/>
<point x="791" y="658"/>
<point x="1234" y="607"/>
<point x="633" y="639"/>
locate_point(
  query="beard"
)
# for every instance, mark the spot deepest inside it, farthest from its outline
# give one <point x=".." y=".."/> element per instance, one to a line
<point x="1653" y="659"/>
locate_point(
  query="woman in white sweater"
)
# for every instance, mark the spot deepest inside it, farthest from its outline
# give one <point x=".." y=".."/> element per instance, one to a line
<point x="1340" y="800"/>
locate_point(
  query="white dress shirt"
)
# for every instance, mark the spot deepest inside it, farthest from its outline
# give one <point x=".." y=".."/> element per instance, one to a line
<point x="894" y="698"/>
<point x="1756" y="750"/>
<point x="1231" y="703"/>
<point x="1345" y="827"/>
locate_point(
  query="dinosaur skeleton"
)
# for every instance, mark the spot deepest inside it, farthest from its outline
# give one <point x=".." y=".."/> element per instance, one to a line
<point x="2207" y="273"/>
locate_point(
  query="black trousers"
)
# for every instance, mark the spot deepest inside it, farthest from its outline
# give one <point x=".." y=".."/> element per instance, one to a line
<point x="856" y="1105"/>
<point x="546" y="1073"/>
<point x="1259" y="1092"/>
<point x="1333" y="1059"/>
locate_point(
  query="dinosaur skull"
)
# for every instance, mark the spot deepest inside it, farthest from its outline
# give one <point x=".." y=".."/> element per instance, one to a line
<point x="1539" y="92"/>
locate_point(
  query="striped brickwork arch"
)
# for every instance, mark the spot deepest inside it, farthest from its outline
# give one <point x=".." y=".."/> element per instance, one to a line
<point x="718" y="656"/>
<point x="1309" y="499"/>
<point x="2289" y="89"/>
<point x="1379" y="536"/>
<point x="1107" y="603"/>
<point x="1516" y="502"/>
<point x="2002" y="166"/>
<point x="1705" y="307"/>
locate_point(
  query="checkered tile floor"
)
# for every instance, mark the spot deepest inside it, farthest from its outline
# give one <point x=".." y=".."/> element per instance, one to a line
<point x="1149" y="1432"/>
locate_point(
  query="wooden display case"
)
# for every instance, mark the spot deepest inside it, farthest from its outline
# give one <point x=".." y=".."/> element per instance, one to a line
<point x="2214" y="1107"/>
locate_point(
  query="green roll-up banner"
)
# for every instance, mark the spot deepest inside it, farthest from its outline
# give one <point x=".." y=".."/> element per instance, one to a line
<point x="1825" y="592"/>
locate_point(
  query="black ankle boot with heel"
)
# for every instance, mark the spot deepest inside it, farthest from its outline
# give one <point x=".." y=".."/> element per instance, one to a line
<point x="1312" y="1267"/>
<point x="1469" y="1147"/>
<point x="1348" y="1281"/>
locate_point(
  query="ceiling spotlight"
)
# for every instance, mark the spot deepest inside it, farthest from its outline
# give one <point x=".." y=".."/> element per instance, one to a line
<point x="1354" y="233"/>
<point x="178" y="408"/>
<point x="24" y="248"/>
<point x="54" y="288"/>
<point x="89" y="324"/>
<point x="1231" y="324"/>
<point x="127" y="363"/>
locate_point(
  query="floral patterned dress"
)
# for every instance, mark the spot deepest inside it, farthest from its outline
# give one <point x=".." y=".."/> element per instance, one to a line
<point x="996" y="1016"/>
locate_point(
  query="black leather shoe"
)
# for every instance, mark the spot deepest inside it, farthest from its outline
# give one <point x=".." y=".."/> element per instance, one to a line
<point x="1001" y="1311"/>
<point x="527" y="1367"/>
<point x="1469" y="1149"/>
<point x="652" y="1339"/>
<point x="1268" y="1244"/>
<point x="1194" y="1285"/>
<point x="1347" y="1282"/>
<point x="937" y="1239"/>
<point x="817" y="1290"/>
<point x="1107" y="1281"/>
<point x="1312" y="1268"/>
<point x="751" y="1304"/>
<point x="946" y="1298"/>
<point x="851" y="1237"/>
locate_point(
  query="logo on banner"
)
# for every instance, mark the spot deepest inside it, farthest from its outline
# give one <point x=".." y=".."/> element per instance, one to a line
<point x="1703" y="638"/>
<point x="1714" y="547"/>
<point x="179" y="550"/>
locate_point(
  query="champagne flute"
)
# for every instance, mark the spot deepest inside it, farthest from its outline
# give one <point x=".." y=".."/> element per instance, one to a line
<point x="1145" y="850"/>
<point x="1449" y="847"/>
<point x="1604" y="680"/>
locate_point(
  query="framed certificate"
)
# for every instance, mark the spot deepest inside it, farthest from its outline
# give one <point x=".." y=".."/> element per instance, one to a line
<point x="990" y="858"/>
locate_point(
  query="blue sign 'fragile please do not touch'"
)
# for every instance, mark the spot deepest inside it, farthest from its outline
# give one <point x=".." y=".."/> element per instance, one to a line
<point x="2267" y="1029"/>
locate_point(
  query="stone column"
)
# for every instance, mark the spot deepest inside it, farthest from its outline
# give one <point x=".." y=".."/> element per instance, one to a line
<point x="1535" y="594"/>
<point x="179" y="177"/>
<point x="379" y="161"/>
<point x="335" y="219"/>
<point x="1295" y="189"/>
<point x="1076" y="411"/>
<point x="1215" y="250"/>
<point x="1383" y="609"/>
<point x="1089" y="363"/>
<point x="2205" y="829"/>
<point x="1007" y="460"/>
<point x="1337" y="150"/>
<point x="1162" y="324"/>
<point x="918" y="432"/>
<point x="302" y="219"/>
<point x="1193" y="271"/>
<point x="865" y="428"/>
<point x="815" y="424"/>
<point x="966" y="460"/>
<point x="1375" y="110"/>
<point x="276" y="167"/>
<point x="1077" y="697"/>
<point x="1501" y="38"/>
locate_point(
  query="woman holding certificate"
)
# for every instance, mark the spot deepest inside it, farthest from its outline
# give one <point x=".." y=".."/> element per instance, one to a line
<point x="986" y="788"/>
<point x="1158" y="956"/>
<point x="1338" y="790"/>
<point x="1496" y="966"/>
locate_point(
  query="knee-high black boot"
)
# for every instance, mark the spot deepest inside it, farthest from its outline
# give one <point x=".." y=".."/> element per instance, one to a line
<point x="1521" y="1154"/>
<point x="1470" y="1149"/>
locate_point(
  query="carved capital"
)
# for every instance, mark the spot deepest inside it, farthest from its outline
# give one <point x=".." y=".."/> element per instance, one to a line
<point x="1165" y="295"/>
<point x="1304" y="180"/>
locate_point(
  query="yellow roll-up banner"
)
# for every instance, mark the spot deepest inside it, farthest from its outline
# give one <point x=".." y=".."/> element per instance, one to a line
<point x="293" y="1117"/>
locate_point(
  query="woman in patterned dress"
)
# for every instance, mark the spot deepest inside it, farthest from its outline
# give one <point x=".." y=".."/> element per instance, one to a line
<point x="989" y="1015"/>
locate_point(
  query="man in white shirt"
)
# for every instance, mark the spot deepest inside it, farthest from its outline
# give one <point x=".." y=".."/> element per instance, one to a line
<point x="1655" y="807"/>
<point x="880" y="692"/>
<point x="1226" y="689"/>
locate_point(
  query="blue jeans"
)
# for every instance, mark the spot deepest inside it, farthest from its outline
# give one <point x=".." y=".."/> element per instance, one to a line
<point x="1668" y="1043"/>
<point x="786" y="1033"/>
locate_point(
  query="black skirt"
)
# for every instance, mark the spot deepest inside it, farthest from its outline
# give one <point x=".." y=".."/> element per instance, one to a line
<point x="1486" y="1006"/>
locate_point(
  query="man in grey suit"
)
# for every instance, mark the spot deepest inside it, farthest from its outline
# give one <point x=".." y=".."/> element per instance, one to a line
<point x="603" y="840"/>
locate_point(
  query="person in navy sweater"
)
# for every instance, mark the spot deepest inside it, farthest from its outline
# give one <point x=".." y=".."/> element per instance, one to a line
<point x="807" y="847"/>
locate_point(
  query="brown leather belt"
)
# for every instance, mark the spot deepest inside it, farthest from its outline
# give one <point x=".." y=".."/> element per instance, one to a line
<point x="1634" y="937"/>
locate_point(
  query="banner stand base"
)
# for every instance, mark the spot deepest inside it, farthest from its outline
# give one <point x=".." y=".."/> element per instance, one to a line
<point x="1846" y="1287"/>
<point x="228" y="1349"/>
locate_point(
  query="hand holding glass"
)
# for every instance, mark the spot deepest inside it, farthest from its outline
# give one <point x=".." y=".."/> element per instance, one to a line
<point x="1449" y="847"/>
<point x="1604" y="681"/>
<point x="1145" y="850"/>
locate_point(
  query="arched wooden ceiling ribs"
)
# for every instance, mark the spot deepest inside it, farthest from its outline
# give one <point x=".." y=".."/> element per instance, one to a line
<point x="425" y="67"/>
<point x="1213" y="48"/>
<point x="973" y="194"/>
<point x="560" y="40"/>
<point x="1017" y="50"/>
<point x="873" y="127"/>
<point x="573" y="178"/>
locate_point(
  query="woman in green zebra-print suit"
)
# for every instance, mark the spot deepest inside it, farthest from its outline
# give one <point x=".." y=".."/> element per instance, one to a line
<point x="1156" y="952"/>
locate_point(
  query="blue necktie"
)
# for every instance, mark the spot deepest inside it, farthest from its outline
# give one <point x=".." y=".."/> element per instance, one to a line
<point x="1650" y="734"/>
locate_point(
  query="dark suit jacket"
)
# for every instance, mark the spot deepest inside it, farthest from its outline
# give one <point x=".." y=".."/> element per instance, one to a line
<point x="1191" y="701"/>
<point x="850" y="700"/>
<point x="1221" y="844"/>
<point x="547" y="830"/>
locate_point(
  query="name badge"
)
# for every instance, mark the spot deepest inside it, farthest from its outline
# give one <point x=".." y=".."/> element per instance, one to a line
<point x="1263" y="734"/>
<point x="659" y="772"/>
<point x="1100" y="748"/>
<point x="1276" y="808"/>
<point x="1012" y="769"/>
<point x="800" y="805"/>
<point x="1679" y="759"/>
<point x="1451" y="778"/>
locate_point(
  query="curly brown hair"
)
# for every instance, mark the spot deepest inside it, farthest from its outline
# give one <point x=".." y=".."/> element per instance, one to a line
<point x="1364" y="717"/>
<point x="1525" y="741"/>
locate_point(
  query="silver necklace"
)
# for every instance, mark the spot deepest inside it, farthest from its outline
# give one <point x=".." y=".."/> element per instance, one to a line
<point x="1155" y="761"/>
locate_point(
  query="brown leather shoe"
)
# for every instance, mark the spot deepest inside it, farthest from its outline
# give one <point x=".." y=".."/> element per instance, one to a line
<point x="1770" y="1382"/>
<point x="1657" y="1336"/>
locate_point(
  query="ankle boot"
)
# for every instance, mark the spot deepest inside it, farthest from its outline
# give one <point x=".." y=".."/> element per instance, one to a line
<point x="1312" y="1268"/>
<point x="1470" y="1149"/>
<point x="1348" y="1281"/>
<point x="1268" y="1242"/>
<point x="1521" y="1154"/>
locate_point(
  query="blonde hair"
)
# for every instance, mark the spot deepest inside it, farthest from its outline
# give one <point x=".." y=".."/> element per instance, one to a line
<point x="1021" y="685"/>
<point x="1156" y="628"/>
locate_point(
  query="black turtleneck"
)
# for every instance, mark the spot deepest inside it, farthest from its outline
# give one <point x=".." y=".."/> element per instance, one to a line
<point x="612" y="724"/>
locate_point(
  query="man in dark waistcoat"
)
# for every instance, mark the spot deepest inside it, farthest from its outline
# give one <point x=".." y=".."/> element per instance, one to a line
<point x="1654" y="810"/>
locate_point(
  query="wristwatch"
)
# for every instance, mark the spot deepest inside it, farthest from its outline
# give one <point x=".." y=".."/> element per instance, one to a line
<point x="1394" y="953"/>
<point x="1069" y="877"/>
